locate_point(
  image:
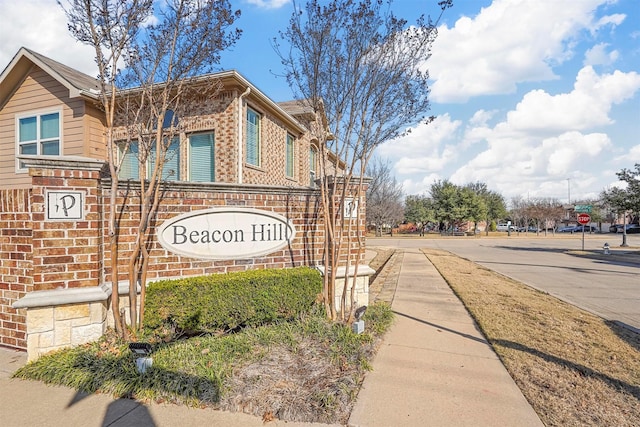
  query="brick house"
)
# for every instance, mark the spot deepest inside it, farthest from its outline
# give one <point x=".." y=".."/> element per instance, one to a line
<point x="242" y="153"/>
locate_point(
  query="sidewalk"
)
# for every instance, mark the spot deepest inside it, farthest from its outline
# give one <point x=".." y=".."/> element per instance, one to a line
<point x="433" y="369"/>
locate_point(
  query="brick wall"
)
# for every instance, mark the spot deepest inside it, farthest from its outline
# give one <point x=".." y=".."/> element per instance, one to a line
<point x="300" y="205"/>
<point x="16" y="264"/>
<point x="49" y="259"/>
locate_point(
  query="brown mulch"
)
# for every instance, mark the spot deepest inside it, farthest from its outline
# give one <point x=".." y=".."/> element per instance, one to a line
<point x="302" y="385"/>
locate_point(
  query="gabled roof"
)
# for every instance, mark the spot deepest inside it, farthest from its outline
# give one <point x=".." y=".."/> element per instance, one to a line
<point x="298" y="108"/>
<point x="79" y="84"/>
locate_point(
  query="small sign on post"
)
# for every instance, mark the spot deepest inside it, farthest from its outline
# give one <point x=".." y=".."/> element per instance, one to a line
<point x="583" y="219"/>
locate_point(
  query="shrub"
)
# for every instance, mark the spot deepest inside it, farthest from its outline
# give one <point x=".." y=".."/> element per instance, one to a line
<point x="232" y="300"/>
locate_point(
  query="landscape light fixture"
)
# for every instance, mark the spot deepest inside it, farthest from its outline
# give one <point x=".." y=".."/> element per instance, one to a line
<point x="358" y="325"/>
<point x="140" y="349"/>
<point x="360" y="312"/>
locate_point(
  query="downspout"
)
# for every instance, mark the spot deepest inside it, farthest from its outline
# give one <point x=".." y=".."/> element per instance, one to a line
<point x="240" y="138"/>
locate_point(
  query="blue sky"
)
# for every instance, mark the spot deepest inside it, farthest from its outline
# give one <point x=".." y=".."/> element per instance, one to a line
<point x="536" y="98"/>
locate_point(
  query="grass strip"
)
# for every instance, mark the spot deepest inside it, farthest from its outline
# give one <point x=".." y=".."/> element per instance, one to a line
<point x="574" y="368"/>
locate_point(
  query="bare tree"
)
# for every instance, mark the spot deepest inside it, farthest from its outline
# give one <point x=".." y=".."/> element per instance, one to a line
<point x="544" y="211"/>
<point x="358" y="63"/>
<point x="110" y="27"/>
<point x="149" y="56"/>
<point x="384" y="196"/>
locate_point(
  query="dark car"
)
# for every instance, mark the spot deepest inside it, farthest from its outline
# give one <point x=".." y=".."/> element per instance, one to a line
<point x="587" y="229"/>
<point x="630" y="228"/>
<point x="569" y="229"/>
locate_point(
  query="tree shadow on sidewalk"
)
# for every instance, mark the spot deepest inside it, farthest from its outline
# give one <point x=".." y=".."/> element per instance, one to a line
<point x="444" y="328"/>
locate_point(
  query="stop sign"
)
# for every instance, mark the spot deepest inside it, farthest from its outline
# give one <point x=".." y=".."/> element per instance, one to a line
<point x="584" y="218"/>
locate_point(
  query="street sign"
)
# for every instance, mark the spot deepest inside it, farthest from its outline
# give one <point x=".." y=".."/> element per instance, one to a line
<point x="582" y="208"/>
<point x="584" y="218"/>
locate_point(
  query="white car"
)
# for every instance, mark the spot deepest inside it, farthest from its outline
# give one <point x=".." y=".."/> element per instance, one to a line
<point x="505" y="227"/>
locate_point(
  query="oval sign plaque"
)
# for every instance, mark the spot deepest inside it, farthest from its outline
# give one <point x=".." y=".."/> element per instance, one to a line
<point x="226" y="233"/>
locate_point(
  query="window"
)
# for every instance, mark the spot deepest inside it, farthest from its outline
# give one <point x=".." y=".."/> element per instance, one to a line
<point x="201" y="158"/>
<point x="130" y="168"/>
<point x="253" y="137"/>
<point x="39" y="134"/>
<point x="313" y="158"/>
<point x="171" y="168"/>
<point x="290" y="157"/>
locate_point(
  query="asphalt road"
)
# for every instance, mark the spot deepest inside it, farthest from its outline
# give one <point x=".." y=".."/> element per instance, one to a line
<point x="608" y="287"/>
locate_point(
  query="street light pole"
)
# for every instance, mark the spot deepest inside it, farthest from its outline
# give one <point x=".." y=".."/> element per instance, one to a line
<point x="569" y="190"/>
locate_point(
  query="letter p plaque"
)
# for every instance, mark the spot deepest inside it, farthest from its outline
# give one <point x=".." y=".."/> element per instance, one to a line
<point x="65" y="205"/>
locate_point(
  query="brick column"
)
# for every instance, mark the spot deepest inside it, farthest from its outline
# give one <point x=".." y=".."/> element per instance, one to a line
<point x="16" y="264"/>
<point x="66" y="303"/>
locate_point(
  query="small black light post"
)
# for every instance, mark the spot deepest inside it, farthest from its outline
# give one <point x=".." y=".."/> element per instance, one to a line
<point x="358" y="325"/>
<point x="142" y="351"/>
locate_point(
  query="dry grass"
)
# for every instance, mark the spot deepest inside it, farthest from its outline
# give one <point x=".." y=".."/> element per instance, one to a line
<point x="575" y="368"/>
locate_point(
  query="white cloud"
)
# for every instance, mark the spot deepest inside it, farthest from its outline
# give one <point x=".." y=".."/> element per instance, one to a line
<point x="481" y="117"/>
<point x="560" y="155"/>
<point x="423" y="139"/>
<point x="543" y="141"/>
<point x="614" y="19"/>
<point x="588" y="105"/>
<point x="598" y="55"/>
<point x="41" y="25"/>
<point x="269" y="4"/>
<point x="502" y="46"/>
<point x="633" y="156"/>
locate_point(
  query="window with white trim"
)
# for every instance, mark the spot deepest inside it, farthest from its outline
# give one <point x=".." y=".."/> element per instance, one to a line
<point x="313" y="158"/>
<point x="38" y="134"/>
<point x="202" y="157"/>
<point x="290" y="156"/>
<point x="253" y="138"/>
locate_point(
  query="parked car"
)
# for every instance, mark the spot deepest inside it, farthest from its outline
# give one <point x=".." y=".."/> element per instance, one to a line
<point x="567" y="229"/>
<point x="529" y="229"/>
<point x="505" y="227"/>
<point x="587" y="229"/>
<point x="631" y="228"/>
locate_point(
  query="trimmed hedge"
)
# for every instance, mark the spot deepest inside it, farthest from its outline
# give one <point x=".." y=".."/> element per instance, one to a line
<point x="228" y="301"/>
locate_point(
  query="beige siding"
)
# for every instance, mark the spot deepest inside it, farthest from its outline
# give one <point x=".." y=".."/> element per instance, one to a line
<point x="94" y="133"/>
<point x="38" y="92"/>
